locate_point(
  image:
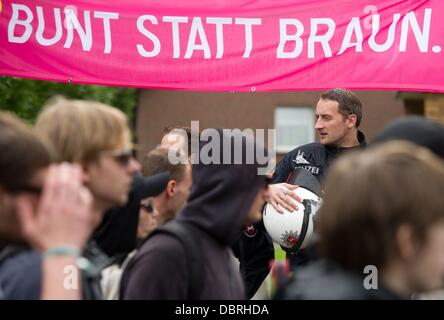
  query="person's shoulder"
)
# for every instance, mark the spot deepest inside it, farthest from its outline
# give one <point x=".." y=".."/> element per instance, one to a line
<point x="306" y="148"/>
<point x="160" y="256"/>
<point x="20" y="275"/>
<point x="22" y="259"/>
<point x="160" y="243"/>
<point x="324" y="280"/>
<point x="312" y="146"/>
<point x="156" y="255"/>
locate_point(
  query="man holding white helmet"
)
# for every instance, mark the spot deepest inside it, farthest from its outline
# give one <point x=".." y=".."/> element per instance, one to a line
<point x="338" y="116"/>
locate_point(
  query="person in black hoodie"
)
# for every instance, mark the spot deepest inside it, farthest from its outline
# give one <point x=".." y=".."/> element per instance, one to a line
<point x="418" y="130"/>
<point x="254" y="249"/>
<point x="381" y="227"/>
<point x="224" y="198"/>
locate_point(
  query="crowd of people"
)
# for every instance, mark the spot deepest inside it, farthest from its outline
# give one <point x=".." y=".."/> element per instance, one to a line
<point x="81" y="218"/>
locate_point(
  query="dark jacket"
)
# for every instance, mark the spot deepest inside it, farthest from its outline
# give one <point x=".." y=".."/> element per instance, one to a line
<point x="220" y="199"/>
<point x="21" y="273"/>
<point x="254" y="250"/>
<point x="316" y="158"/>
<point x="324" y="280"/>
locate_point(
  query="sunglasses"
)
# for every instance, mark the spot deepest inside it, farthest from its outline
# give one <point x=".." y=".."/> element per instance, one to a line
<point x="148" y="207"/>
<point x="122" y="157"/>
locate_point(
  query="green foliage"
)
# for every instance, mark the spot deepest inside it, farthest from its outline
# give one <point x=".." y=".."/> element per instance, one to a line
<point x="279" y="254"/>
<point x="26" y="97"/>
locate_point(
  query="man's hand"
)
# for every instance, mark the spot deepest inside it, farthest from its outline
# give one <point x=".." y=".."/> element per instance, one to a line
<point x="63" y="215"/>
<point x="280" y="198"/>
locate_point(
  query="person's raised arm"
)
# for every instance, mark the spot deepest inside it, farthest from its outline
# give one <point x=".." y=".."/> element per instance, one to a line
<point x="58" y="227"/>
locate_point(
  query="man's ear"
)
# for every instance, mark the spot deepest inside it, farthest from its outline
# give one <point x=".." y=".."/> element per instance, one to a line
<point x="171" y="188"/>
<point x="351" y="120"/>
<point x="406" y="244"/>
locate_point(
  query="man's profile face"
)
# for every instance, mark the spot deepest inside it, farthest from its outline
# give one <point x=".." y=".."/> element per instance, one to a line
<point x="110" y="176"/>
<point x="330" y="124"/>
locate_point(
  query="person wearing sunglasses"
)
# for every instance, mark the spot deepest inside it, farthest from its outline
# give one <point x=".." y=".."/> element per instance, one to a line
<point x="96" y="137"/>
<point x="147" y="218"/>
<point x="111" y="276"/>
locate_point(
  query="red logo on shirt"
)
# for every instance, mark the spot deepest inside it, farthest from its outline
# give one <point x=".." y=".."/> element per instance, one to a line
<point x="250" y="231"/>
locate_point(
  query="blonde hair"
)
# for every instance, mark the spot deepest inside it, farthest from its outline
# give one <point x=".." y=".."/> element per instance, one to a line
<point x="80" y="130"/>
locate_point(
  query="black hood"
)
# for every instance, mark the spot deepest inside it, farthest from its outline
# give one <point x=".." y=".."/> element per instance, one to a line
<point x="415" y="129"/>
<point x="222" y="194"/>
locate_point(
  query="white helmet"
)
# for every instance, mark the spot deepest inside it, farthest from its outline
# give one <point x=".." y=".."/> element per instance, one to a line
<point x="293" y="230"/>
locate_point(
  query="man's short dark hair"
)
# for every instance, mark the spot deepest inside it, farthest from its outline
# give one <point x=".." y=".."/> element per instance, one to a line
<point x="348" y="102"/>
<point x="23" y="153"/>
<point x="156" y="161"/>
<point x="169" y="129"/>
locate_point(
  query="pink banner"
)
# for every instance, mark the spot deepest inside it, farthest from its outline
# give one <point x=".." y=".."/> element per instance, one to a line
<point x="232" y="45"/>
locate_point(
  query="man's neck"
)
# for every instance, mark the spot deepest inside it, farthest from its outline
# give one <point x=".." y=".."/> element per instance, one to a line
<point x="350" y="140"/>
<point x="98" y="211"/>
<point x="165" y="215"/>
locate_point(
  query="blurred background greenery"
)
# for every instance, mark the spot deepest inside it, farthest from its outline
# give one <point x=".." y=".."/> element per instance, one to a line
<point x="26" y="97"/>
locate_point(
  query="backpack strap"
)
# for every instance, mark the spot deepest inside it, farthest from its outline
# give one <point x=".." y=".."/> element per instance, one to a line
<point x="188" y="235"/>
